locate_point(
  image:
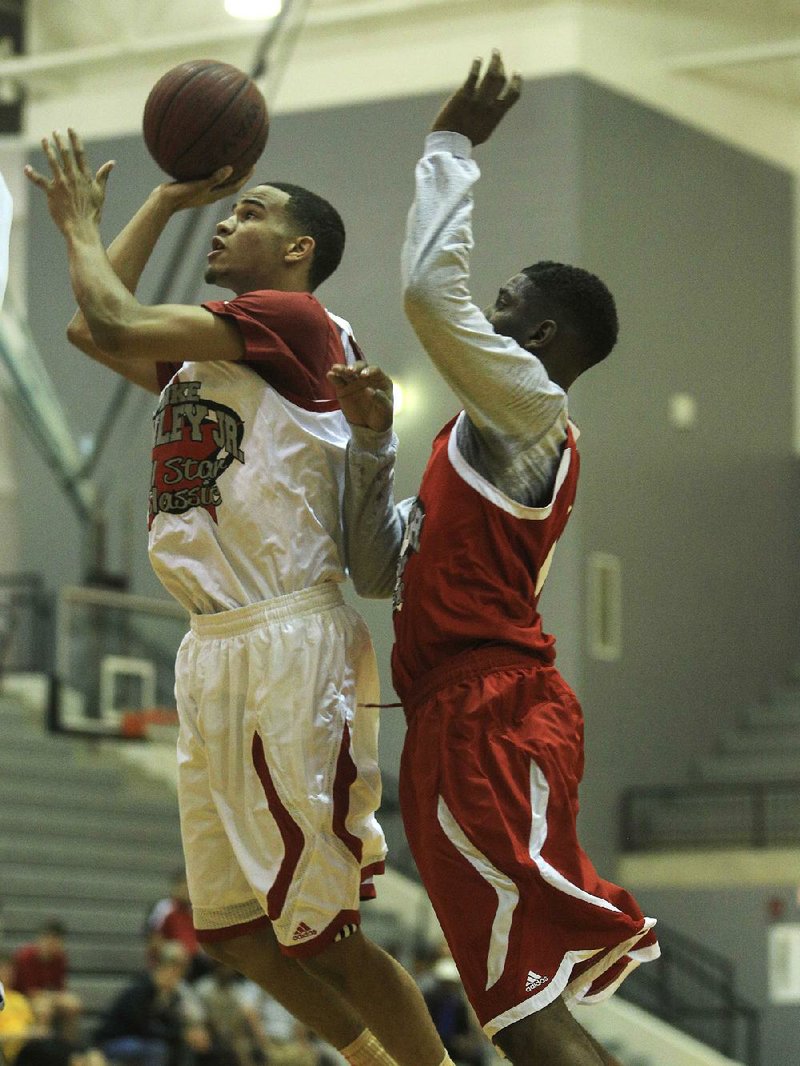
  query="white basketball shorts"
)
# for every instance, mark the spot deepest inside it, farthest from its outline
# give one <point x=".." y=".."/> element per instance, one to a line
<point x="278" y="779"/>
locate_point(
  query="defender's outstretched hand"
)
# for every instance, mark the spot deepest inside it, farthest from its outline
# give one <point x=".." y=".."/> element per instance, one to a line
<point x="365" y="395"/>
<point x="477" y="108"/>
<point x="73" y="193"/>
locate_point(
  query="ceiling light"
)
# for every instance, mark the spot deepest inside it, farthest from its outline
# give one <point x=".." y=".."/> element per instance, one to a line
<point x="253" y="9"/>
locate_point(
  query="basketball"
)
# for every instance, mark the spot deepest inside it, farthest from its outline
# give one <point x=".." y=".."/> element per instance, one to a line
<point x="203" y="115"/>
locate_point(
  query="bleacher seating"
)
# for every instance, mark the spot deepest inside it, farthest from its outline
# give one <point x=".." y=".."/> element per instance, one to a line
<point x="85" y="839"/>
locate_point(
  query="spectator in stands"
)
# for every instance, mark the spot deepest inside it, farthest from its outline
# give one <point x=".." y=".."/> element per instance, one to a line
<point x="56" y="1051"/>
<point x="42" y="965"/>
<point x="171" y="919"/>
<point x="254" y="1025"/>
<point x="40" y="971"/>
<point x="452" y="1015"/>
<point x="146" y="1025"/>
<point x="17" y="1020"/>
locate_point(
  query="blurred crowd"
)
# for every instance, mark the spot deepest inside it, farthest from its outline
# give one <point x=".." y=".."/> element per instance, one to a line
<point x="183" y="1008"/>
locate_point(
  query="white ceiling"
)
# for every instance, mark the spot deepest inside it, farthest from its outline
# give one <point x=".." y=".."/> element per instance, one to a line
<point x="766" y="61"/>
<point x="730" y="52"/>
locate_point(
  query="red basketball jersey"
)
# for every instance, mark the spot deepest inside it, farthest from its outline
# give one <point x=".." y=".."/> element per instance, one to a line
<point x="472" y="563"/>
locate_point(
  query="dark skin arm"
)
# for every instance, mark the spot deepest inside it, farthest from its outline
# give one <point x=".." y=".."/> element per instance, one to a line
<point x="365" y="395"/>
<point x="479" y="105"/>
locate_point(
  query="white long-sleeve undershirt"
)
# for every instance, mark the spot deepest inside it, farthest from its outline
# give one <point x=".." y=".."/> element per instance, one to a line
<point x="515" y="418"/>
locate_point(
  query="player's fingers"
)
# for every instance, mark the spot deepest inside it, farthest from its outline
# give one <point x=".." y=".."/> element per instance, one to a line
<point x="35" y="177"/>
<point x="101" y="177"/>
<point x="377" y="378"/>
<point x="245" y="178"/>
<point x="78" y="152"/>
<point x="67" y="162"/>
<point x="218" y="178"/>
<point x="512" y="92"/>
<point x="344" y="375"/>
<point x="472" y="78"/>
<point x="494" y="80"/>
<point x="52" y="159"/>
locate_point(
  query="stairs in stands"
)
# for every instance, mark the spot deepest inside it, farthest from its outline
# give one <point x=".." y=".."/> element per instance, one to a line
<point x="85" y="839"/>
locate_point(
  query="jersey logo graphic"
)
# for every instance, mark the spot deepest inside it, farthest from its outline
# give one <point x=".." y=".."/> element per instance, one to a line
<point x="303" y="932"/>
<point x="411" y="539"/>
<point x="195" y="441"/>
<point x="534" y="981"/>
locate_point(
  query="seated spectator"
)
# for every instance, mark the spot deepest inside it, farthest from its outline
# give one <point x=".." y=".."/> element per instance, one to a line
<point x="56" y="1051"/>
<point x="40" y="972"/>
<point x="231" y="1022"/>
<point x="42" y="965"/>
<point x="171" y="920"/>
<point x="146" y="1025"/>
<point x="17" y="1020"/>
<point x="452" y="1015"/>
<point x="252" y="1024"/>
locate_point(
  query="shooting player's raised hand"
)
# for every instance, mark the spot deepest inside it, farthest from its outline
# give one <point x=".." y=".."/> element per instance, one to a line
<point x="74" y="194"/>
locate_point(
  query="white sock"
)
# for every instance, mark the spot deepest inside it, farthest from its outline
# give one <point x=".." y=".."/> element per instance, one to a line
<point x="367" y="1051"/>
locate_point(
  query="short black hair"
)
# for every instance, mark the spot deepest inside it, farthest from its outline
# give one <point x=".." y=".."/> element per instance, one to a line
<point x="583" y="300"/>
<point x="54" y="926"/>
<point x="320" y="220"/>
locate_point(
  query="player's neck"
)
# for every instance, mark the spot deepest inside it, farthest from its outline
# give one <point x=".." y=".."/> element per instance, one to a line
<point x="286" y="283"/>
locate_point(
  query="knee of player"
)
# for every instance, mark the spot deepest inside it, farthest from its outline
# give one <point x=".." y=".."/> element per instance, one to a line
<point x="340" y="962"/>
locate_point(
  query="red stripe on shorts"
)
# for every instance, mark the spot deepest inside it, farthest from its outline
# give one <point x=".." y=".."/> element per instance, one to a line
<point x="368" y="889"/>
<point x="230" y="932"/>
<point x="291" y="833"/>
<point x="346" y="774"/>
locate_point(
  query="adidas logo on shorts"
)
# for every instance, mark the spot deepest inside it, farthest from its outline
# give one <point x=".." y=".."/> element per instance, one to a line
<point x="534" y="981"/>
<point x="303" y="932"/>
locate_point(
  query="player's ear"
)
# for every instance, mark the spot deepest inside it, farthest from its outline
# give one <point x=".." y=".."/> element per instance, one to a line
<point x="299" y="249"/>
<point x="541" y="335"/>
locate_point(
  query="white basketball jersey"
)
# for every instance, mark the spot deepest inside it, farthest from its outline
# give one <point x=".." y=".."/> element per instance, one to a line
<point x="245" y="492"/>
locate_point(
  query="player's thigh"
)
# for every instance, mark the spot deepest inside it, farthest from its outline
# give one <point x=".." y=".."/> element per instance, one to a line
<point x="549" y="1035"/>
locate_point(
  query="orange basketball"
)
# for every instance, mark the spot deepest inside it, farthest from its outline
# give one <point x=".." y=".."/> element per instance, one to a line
<point x="202" y="115"/>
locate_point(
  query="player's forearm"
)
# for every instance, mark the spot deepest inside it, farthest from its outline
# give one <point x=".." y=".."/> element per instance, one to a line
<point x="107" y="305"/>
<point x="129" y="253"/>
<point x="373" y="526"/>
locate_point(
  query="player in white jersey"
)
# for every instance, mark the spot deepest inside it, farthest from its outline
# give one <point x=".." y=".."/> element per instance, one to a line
<point x="278" y="777"/>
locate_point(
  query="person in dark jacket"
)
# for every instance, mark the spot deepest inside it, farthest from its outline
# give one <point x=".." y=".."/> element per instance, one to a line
<point x="145" y="1025"/>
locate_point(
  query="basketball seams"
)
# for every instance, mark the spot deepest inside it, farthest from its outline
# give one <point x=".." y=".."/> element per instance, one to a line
<point x="225" y="107"/>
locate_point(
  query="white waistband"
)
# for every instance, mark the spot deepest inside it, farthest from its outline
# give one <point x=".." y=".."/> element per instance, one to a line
<point x="240" y="619"/>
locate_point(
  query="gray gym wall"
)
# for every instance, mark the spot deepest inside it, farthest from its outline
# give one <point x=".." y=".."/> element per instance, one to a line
<point x="695" y="239"/>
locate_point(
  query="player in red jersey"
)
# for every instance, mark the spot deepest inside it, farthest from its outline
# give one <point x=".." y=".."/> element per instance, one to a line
<point x="494" y="751"/>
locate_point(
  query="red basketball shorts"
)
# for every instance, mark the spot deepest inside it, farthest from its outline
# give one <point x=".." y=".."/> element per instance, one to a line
<point x="489" y="792"/>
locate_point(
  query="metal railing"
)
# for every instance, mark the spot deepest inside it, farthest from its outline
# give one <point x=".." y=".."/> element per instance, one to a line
<point x="693" y="988"/>
<point x="746" y="815"/>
